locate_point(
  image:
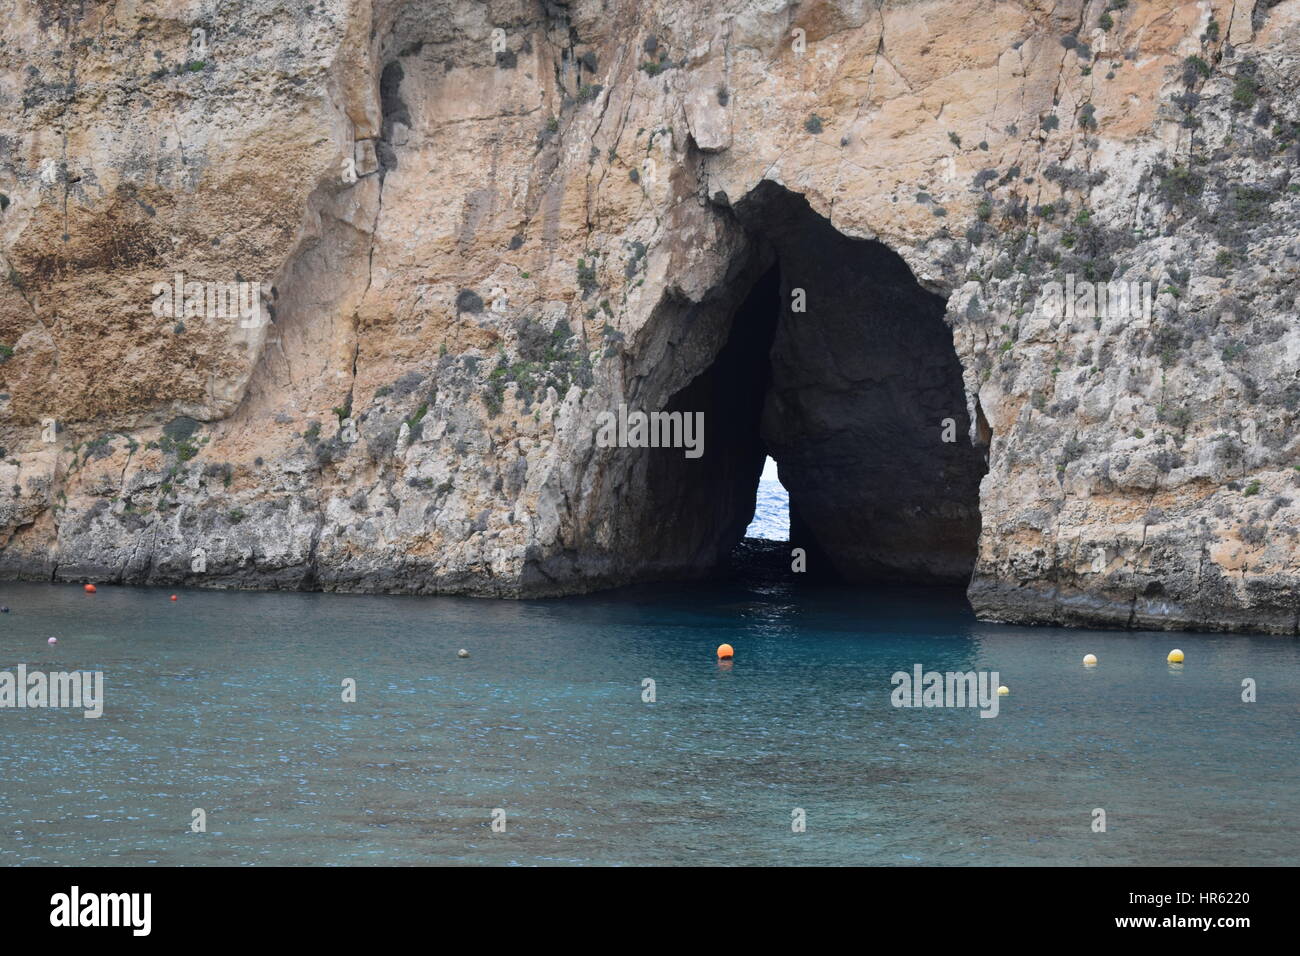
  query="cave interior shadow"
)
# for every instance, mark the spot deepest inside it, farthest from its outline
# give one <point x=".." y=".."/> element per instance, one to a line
<point x="840" y="366"/>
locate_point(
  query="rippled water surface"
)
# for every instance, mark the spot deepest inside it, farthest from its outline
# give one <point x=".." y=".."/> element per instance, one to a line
<point x="231" y="702"/>
<point x="771" y="512"/>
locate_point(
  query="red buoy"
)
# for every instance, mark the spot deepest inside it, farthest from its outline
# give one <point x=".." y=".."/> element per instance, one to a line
<point x="90" y="589"/>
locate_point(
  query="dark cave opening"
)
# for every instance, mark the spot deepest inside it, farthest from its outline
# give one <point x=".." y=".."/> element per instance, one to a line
<point x="840" y="366"/>
<point x="711" y="500"/>
<point x="394" y="112"/>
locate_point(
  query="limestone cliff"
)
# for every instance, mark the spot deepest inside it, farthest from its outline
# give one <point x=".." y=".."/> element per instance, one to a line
<point x="332" y="294"/>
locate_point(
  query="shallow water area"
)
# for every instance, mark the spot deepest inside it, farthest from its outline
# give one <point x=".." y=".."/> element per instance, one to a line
<point x="232" y="702"/>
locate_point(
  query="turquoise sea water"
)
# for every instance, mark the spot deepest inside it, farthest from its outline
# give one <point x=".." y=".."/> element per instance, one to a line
<point x="231" y="702"/>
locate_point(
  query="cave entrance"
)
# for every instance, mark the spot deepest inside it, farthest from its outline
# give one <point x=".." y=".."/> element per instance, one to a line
<point x="840" y="367"/>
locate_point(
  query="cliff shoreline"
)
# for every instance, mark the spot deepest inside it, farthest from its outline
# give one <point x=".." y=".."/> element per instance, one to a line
<point x="841" y="232"/>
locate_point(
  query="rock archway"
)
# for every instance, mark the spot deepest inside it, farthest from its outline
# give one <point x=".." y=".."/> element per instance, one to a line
<point x="865" y="412"/>
<point x="839" y="365"/>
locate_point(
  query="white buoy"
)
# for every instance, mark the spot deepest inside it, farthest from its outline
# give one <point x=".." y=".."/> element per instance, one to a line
<point x="1004" y="690"/>
<point x="52" y="640"/>
<point x="1175" y="656"/>
<point x="1089" y="660"/>
<point x="462" y="653"/>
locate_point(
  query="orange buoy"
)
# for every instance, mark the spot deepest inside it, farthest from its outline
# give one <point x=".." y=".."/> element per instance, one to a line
<point x="725" y="652"/>
<point x="90" y="589"/>
<point x="173" y="597"/>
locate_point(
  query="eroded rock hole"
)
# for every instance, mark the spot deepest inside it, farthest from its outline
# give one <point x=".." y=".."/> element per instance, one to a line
<point x="853" y="397"/>
<point x="396" y="116"/>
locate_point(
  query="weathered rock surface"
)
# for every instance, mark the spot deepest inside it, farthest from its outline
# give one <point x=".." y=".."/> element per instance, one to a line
<point x="470" y="228"/>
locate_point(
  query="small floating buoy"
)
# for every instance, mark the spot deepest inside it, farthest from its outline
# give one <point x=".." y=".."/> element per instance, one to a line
<point x="725" y="652"/>
<point x="52" y="640"/>
<point x="1089" y="660"/>
<point x="1175" y="656"/>
<point x="173" y="597"/>
<point x="90" y="589"/>
<point x="462" y="653"/>
<point x="1004" y="690"/>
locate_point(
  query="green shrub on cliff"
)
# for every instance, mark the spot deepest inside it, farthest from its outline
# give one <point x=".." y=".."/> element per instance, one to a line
<point x="1245" y="88"/>
<point x="1194" y="68"/>
<point x="586" y="277"/>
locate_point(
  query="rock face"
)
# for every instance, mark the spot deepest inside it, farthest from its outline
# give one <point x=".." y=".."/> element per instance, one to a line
<point x="335" y="295"/>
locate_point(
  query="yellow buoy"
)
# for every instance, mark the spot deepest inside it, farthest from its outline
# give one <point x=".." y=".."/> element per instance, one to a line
<point x="1089" y="660"/>
<point x="1003" y="690"/>
<point x="1175" y="656"/>
<point x="725" y="652"/>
